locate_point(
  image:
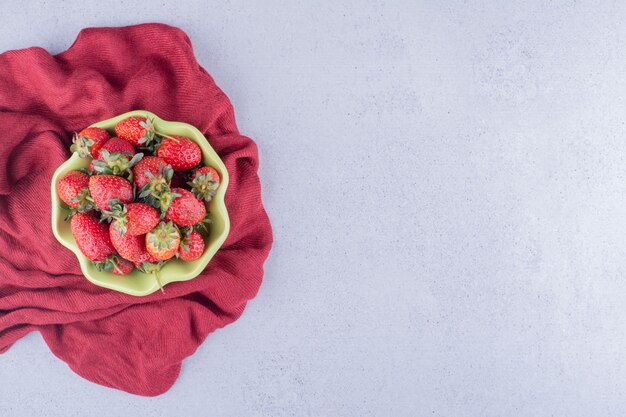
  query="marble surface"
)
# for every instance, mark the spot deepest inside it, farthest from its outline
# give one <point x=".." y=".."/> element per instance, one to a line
<point x="446" y="182"/>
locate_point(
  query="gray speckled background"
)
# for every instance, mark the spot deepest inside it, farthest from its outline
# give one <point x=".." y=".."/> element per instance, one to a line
<point x="463" y="252"/>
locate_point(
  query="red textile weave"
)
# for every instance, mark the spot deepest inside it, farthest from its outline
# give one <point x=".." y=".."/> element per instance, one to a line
<point x="135" y="344"/>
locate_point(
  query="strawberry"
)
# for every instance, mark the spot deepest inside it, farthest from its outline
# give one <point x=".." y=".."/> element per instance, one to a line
<point x="162" y="242"/>
<point x="116" y="157"/>
<point x="180" y="152"/>
<point x="145" y="257"/>
<point x="115" y="144"/>
<point x="204" y="183"/>
<point x="134" y="218"/>
<point x="115" y="264"/>
<point x="123" y="267"/>
<point x="152" y="177"/>
<point x="136" y="130"/>
<point x="89" y="141"/>
<point x="186" y="210"/>
<point x="191" y="246"/>
<point x="150" y="165"/>
<point x="92" y="237"/>
<point x="128" y="246"/>
<point x="73" y="191"/>
<point x="105" y="187"/>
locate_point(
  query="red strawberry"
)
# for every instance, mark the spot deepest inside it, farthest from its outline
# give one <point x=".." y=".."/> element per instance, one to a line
<point x="128" y="246"/>
<point x="152" y="178"/>
<point x="180" y="152"/>
<point x="186" y="210"/>
<point x="122" y="267"/>
<point x="89" y="141"/>
<point x="148" y="165"/>
<point x="134" y="218"/>
<point x="191" y="246"/>
<point x="92" y="237"/>
<point x="118" y="145"/>
<point x="210" y="172"/>
<point x="136" y="130"/>
<point x="103" y="188"/>
<point x="162" y="242"/>
<point x="204" y="183"/>
<point x="145" y="257"/>
<point x="112" y="158"/>
<point x="73" y="190"/>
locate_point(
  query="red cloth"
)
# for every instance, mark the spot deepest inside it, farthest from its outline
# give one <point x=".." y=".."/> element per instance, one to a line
<point x="135" y="344"/>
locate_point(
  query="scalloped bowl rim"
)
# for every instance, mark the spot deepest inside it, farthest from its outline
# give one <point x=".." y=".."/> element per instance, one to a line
<point x="138" y="283"/>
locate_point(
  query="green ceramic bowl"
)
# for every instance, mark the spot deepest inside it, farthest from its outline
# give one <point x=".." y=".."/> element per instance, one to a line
<point x="138" y="283"/>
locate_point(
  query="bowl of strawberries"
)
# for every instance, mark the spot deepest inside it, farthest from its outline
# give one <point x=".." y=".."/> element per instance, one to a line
<point x="140" y="202"/>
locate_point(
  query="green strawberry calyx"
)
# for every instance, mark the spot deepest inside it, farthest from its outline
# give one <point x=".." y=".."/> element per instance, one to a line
<point x="109" y="264"/>
<point x="85" y="203"/>
<point x="204" y="186"/>
<point x="116" y="163"/>
<point x="118" y="213"/>
<point x="163" y="235"/>
<point x="84" y="200"/>
<point x="203" y="225"/>
<point x="81" y="145"/>
<point x="165" y="201"/>
<point x="149" y="267"/>
<point x="149" y="133"/>
<point x="151" y="140"/>
<point x="157" y="192"/>
<point x="185" y="234"/>
<point x="154" y="269"/>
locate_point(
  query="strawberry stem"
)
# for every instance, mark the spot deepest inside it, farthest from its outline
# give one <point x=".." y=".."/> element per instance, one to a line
<point x="116" y="267"/>
<point x="166" y="136"/>
<point x="158" y="280"/>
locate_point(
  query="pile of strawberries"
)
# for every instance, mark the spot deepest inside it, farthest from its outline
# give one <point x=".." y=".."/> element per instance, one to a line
<point x="142" y="200"/>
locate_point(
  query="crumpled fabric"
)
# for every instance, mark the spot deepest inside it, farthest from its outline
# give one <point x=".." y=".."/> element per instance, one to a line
<point x="135" y="344"/>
